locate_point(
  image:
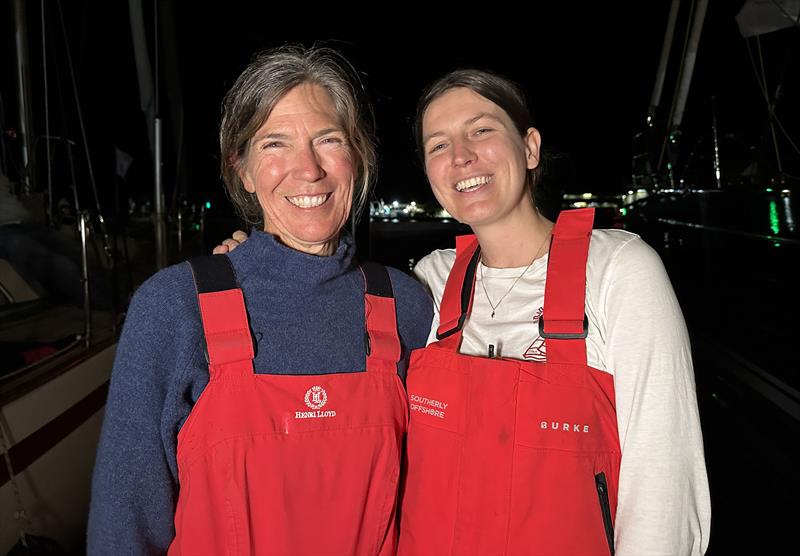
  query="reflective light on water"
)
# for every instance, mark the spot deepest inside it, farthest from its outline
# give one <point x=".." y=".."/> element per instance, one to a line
<point x="774" y="221"/>
<point x="788" y="214"/>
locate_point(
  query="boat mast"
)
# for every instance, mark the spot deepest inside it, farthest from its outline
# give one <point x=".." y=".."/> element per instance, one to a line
<point x="149" y="102"/>
<point x="687" y="68"/>
<point x="666" y="47"/>
<point x="682" y="91"/>
<point x="158" y="175"/>
<point x="24" y="91"/>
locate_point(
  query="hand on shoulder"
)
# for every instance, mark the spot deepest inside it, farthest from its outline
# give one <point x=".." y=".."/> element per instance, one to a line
<point x="231" y="243"/>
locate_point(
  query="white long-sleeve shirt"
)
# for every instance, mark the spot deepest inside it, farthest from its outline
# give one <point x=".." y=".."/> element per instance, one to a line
<point x="638" y="335"/>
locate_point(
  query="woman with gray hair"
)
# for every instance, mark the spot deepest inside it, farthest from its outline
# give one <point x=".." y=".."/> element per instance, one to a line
<point x="256" y="402"/>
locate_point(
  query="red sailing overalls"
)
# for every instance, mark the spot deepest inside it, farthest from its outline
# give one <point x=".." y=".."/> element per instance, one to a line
<point x="290" y="464"/>
<point x="508" y="456"/>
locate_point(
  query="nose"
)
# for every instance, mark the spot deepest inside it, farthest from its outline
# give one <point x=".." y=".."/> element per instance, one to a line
<point x="463" y="155"/>
<point x="307" y="166"/>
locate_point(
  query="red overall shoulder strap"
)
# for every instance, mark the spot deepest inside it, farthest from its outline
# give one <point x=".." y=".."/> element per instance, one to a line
<point x="563" y="323"/>
<point x="222" y="310"/>
<point x="381" y="338"/>
<point x="457" y="297"/>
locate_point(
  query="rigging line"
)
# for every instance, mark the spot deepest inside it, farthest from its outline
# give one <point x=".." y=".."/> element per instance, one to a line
<point x="770" y="105"/>
<point x="78" y="106"/>
<point x="20" y="515"/>
<point x="47" y="118"/>
<point x="763" y="74"/>
<point x="65" y="137"/>
<point x="786" y="134"/>
<point x="758" y="75"/>
<point x="788" y="15"/>
<point x="92" y="181"/>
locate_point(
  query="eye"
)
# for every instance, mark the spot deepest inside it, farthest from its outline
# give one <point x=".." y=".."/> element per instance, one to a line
<point x="271" y="145"/>
<point x="483" y="130"/>
<point x="333" y="140"/>
<point x="437" y="147"/>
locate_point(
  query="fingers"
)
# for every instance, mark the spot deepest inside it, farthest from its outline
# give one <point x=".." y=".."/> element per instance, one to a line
<point x="240" y="236"/>
<point x="230" y="244"/>
<point x="227" y="246"/>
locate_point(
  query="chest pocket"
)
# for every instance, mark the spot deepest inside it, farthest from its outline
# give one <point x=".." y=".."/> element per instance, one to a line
<point x="437" y="391"/>
<point x="564" y="413"/>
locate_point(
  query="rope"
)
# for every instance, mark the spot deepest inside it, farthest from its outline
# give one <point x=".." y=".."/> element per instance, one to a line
<point x="20" y="515"/>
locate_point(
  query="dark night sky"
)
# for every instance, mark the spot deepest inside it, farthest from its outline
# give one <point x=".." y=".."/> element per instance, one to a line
<point x="587" y="69"/>
<point x="587" y="75"/>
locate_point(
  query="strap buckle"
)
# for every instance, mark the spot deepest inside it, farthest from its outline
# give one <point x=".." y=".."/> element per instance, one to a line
<point x="565" y="335"/>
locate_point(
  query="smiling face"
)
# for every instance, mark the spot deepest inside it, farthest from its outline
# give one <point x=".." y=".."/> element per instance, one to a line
<point x="476" y="160"/>
<point x="301" y="168"/>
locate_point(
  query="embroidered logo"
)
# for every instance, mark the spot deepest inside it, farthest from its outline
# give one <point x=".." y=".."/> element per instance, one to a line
<point x="316" y="397"/>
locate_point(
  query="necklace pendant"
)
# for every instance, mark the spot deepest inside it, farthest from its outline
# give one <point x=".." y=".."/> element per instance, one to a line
<point x="492" y="314"/>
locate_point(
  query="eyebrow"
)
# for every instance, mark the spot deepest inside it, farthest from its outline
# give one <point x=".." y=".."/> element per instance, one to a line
<point x="273" y="135"/>
<point x="284" y="136"/>
<point x="468" y="121"/>
<point x="328" y="130"/>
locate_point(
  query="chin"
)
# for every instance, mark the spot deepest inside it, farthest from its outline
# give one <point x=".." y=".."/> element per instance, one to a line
<point x="475" y="217"/>
<point x="320" y="237"/>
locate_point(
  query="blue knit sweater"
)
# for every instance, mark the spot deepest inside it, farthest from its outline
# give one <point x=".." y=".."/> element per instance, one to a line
<point x="307" y="315"/>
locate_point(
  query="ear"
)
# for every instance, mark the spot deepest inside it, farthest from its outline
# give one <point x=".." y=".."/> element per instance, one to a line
<point x="533" y="143"/>
<point x="244" y="175"/>
<point x="249" y="184"/>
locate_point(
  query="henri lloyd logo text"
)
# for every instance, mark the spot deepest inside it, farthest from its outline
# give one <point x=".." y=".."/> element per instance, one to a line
<point x="427" y="405"/>
<point x="316" y="398"/>
<point x="565" y="427"/>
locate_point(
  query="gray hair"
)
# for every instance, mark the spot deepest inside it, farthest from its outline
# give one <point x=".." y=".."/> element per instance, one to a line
<point x="500" y="90"/>
<point x="269" y="76"/>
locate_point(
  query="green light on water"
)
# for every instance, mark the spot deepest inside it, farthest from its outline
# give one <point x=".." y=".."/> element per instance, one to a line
<point x="769" y="190"/>
<point x="208" y="205"/>
<point x="774" y="223"/>
<point x="776" y="244"/>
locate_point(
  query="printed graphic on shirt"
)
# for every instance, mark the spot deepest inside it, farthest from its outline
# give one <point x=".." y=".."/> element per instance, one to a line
<point x="536" y="351"/>
<point x="316" y="397"/>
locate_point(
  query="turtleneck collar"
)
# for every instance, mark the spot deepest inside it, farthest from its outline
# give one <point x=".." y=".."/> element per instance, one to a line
<point x="263" y="255"/>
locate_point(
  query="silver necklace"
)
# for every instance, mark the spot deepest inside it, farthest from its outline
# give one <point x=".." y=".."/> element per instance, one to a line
<point x="494" y="306"/>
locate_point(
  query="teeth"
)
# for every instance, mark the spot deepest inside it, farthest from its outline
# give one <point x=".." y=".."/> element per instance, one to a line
<point x="472" y="183"/>
<point x="307" y="201"/>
